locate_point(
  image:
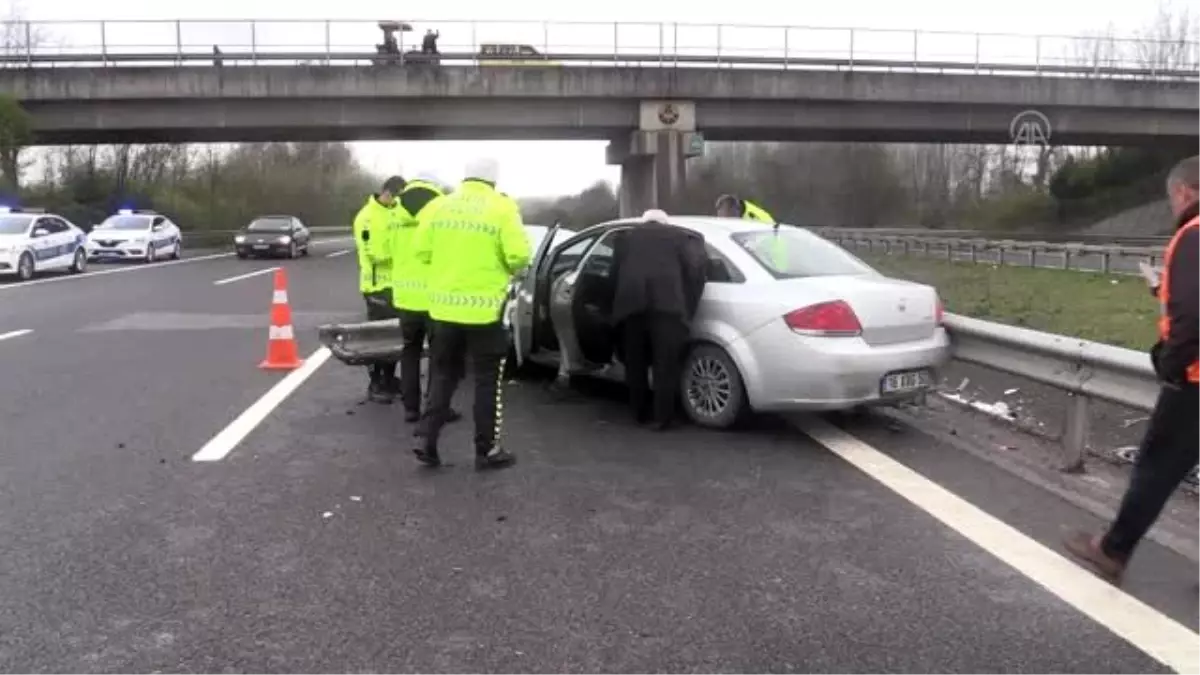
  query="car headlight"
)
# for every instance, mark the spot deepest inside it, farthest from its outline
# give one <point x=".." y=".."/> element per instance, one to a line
<point x="239" y="239"/>
<point x="139" y="240"/>
<point x="284" y="239"/>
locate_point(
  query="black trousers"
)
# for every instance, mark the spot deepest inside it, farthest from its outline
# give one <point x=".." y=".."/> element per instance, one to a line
<point x="653" y="340"/>
<point x="379" y="307"/>
<point x="1168" y="452"/>
<point x="481" y="349"/>
<point x="414" y="329"/>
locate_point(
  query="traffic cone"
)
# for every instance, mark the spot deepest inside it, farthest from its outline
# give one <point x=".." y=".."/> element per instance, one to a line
<point x="282" y="353"/>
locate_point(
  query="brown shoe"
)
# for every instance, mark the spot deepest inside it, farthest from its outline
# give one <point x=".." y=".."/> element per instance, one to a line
<point x="1088" y="549"/>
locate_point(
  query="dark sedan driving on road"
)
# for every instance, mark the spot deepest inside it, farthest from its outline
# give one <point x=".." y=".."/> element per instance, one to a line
<point x="273" y="236"/>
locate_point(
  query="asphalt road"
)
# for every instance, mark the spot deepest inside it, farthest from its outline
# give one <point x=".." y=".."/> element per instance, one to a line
<point x="317" y="544"/>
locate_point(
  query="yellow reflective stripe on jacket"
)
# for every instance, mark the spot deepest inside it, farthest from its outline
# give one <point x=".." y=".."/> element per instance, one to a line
<point x="752" y="211"/>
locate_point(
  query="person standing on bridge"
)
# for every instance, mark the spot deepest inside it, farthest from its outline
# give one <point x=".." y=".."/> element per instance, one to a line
<point x="373" y="227"/>
<point x="474" y="242"/>
<point x="1171" y="445"/>
<point x="410" y="295"/>
<point x="659" y="273"/>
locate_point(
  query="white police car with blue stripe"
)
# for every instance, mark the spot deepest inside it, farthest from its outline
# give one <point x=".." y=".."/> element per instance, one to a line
<point x="33" y="241"/>
<point x="135" y="235"/>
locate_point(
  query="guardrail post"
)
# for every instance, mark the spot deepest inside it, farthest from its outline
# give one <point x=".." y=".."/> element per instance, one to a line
<point x="1066" y="259"/>
<point x="718" y="45"/>
<point x="1075" y="433"/>
<point x="977" y="38"/>
<point x="1000" y="256"/>
<point x="786" y="33"/>
<point x="1033" y="256"/>
<point x="28" y="44"/>
<point x="914" y="61"/>
<point x="1104" y="262"/>
<point x="616" y="38"/>
<point x="905" y="243"/>
<point x="851" y="49"/>
<point x="104" y="43"/>
<point x="254" y="44"/>
<point x="328" y="44"/>
<point x="974" y="259"/>
<point x="949" y="251"/>
<point x="545" y="37"/>
<point x="1037" y="54"/>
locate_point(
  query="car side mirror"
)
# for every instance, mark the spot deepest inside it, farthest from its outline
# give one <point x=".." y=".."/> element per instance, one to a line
<point x="157" y="228"/>
<point x="40" y="232"/>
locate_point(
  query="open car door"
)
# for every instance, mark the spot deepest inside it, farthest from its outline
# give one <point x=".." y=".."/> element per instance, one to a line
<point x="518" y="308"/>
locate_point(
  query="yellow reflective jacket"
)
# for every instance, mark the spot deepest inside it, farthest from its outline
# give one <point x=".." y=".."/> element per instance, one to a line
<point x="474" y="242"/>
<point x="410" y="273"/>
<point x="752" y="211"/>
<point x="373" y="227"/>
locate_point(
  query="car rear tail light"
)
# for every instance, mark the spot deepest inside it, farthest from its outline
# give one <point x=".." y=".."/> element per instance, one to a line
<point x="825" y="319"/>
<point x="939" y="312"/>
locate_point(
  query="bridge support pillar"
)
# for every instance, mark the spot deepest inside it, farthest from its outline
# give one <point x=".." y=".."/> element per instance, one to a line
<point x="653" y="169"/>
<point x="652" y="159"/>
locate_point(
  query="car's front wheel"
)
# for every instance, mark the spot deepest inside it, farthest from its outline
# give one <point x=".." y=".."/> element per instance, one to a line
<point x="150" y="253"/>
<point x="711" y="388"/>
<point x="25" y="267"/>
<point x="80" y="264"/>
<point x="177" y="254"/>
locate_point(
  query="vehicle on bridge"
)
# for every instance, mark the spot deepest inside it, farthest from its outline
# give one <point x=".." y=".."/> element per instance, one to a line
<point x="496" y="54"/>
<point x="33" y="241"/>
<point x="141" y="234"/>
<point x="274" y="235"/>
<point x="818" y="329"/>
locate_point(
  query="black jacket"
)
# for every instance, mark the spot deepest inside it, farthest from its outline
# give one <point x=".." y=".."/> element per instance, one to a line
<point x="414" y="199"/>
<point x="657" y="268"/>
<point x="1172" y="356"/>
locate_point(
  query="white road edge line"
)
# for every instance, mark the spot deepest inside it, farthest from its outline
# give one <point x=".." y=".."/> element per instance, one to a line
<point x="223" y="443"/>
<point x="1137" y="623"/>
<point x="239" y="277"/>
<point x="88" y="275"/>
<point x="15" y="333"/>
<point x="337" y="253"/>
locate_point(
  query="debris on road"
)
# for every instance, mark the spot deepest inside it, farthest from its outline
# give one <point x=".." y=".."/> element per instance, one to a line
<point x="1010" y="392"/>
<point x="327" y="514"/>
<point x="355" y="498"/>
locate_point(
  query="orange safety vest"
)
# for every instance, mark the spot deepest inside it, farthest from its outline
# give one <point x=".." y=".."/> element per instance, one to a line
<point x="1164" y="293"/>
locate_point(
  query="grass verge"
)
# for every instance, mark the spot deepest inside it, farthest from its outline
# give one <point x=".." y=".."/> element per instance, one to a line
<point x="1115" y="309"/>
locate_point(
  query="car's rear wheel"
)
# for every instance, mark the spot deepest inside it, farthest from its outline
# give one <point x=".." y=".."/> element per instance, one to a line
<point x="711" y="387"/>
<point x="25" y="267"/>
<point x="80" y="264"/>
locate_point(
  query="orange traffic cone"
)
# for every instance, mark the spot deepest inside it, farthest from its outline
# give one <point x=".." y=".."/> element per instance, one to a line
<point x="282" y="353"/>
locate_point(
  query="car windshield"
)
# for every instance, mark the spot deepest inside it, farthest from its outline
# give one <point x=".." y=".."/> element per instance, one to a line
<point x="791" y="253"/>
<point x="125" y="223"/>
<point x="14" y="224"/>
<point x="270" y="225"/>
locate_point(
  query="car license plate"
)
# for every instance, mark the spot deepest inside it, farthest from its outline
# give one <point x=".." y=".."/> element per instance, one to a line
<point x="109" y="253"/>
<point x="260" y="247"/>
<point x="899" y="383"/>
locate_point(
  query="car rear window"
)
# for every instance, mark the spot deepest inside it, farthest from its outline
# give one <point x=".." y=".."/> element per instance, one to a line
<point x="789" y="253"/>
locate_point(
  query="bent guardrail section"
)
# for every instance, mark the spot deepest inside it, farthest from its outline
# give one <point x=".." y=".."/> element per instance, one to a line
<point x="1081" y="369"/>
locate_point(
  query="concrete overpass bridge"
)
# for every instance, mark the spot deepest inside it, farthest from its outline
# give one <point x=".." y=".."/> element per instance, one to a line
<point x="654" y="113"/>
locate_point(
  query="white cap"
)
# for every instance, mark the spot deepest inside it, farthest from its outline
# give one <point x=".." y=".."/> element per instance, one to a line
<point x="483" y="168"/>
<point x="655" y="216"/>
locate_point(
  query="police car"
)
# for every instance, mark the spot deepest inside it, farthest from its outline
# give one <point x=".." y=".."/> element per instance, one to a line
<point x="135" y="235"/>
<point x="32" y="241"/>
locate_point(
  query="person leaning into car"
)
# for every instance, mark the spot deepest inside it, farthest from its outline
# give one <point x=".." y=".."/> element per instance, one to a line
<point x="659" y="273"/>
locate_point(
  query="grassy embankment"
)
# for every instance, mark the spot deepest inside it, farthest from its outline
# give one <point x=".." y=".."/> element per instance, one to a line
<point x="1115" y="309"/>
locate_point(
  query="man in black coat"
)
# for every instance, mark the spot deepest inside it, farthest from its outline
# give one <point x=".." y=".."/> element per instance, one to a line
<point x="659" y="276"/>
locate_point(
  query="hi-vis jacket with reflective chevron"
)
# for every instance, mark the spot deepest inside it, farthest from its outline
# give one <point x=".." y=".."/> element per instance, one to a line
<point x="409" y="282"/>
<point x="474" y="242"/>
<point x="373" y="227"/>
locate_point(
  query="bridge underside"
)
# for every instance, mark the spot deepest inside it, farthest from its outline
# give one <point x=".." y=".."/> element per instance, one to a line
<point x="176" y="120"/>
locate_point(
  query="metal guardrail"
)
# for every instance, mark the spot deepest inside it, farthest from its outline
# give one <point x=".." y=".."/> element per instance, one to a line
<point x="1083" y="370"/>
<point x="660" y="44"/>
<point x="1107" y="259"/>
<point x="1051" y="237"/>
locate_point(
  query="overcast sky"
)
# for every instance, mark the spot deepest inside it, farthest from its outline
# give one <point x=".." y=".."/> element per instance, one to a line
<point x="544" y="168"/>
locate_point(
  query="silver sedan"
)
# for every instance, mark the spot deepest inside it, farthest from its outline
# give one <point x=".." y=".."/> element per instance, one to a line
<point x="788" y="321"/>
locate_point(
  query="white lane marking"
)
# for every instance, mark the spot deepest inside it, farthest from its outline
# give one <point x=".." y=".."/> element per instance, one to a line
<point x="224" y="442"/>
<point x="1137" y="623"/>
<point x="88" y="275"/>
<point x="15" y="334"/>
<point x="230" y="280"/>
<point x="337" y="253"/>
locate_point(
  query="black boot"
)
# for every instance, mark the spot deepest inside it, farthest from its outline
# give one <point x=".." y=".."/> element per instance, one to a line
<point x="496" y="458"/>
<point x="378" y="391"/>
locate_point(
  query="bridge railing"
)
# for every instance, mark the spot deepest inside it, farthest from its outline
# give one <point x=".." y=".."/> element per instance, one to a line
<point x="64" y="43"/>
<point x="1108" y="259"/>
